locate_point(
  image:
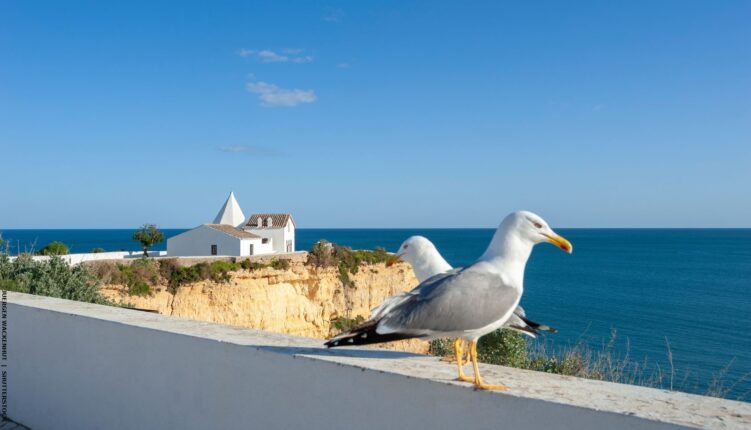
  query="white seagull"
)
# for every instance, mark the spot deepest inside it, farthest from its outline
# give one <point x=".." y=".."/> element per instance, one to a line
<point x="426" y="262"/>
<point x="464" y="303"/>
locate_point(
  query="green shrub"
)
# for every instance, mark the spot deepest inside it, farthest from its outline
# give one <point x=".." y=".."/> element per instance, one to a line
<point x="342" y="324"/>
<point x="54" y="248"/>
<point x="280" y="264"/>
<point x="344" y="272"/>
<point x="144" y="269"/>
<point x="441" y="347"/>
<point x="379" y="255"/>
<point x="347" y="261"/>
<point x="138" y="275"/>
<point x="167" y="267"/>
<point x="247" y="264"/>
<point x="147" y="272"/>
<point x="185" y="275"/>
<point x="322" y="254"/>
<point x="98" y="250"/>
<point x="509" y="348"/>
<point x="219" y="270"/>
<point x="176" y="276"/>
<point x="138" y="288"/>
<point x="503" y="347"/>
<point x="11" y="285"/>
<point x="53" y="277"/>
<point x="107" y="272"/>
<point x="570" y="364"/>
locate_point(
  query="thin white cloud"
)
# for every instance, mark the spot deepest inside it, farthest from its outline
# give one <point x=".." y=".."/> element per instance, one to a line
<point x="249" y="150"/>
<point x="269" y="56"/>
<point x="271" y="95"/>
<point x="333" y="15"/>
<point x="343" y="65"/>
<point x="598" y="108"/>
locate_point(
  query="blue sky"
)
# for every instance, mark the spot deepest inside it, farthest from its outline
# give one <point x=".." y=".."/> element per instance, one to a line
<point x="376" y="114"/>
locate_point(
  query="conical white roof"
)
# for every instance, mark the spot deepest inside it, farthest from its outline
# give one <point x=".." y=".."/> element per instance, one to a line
<point x="230" y="214"/>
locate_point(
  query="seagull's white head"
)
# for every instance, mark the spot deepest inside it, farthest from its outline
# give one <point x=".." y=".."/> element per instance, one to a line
<point x="518" y="234"/>
<point x="530" y="227"/>
<point x="422" y="255"/>
<point x="415" y="247"/>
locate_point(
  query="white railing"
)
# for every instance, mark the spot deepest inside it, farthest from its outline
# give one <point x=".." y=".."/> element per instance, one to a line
<point x="74" y="259"/>
<point x="73" y="365"/>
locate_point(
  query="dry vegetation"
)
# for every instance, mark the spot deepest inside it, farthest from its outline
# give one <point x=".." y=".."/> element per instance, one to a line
<point x="347" y="261"/>
<point x="141" y="275"/>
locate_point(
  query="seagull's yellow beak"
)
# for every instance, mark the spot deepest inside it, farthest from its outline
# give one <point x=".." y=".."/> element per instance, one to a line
<point x="560" y="242"/>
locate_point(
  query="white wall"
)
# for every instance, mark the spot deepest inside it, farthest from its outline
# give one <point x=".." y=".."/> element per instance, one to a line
<point x="80" y="366"/>
<point x="278" y="236"/>
<point x="198" y="241"/>
<point x="259" y="247"/>
<point x="289" y="234"/>
<point x="74" y="259"/>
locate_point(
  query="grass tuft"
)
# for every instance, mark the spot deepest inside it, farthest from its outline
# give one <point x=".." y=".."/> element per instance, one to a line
<point x="347" y="261"/>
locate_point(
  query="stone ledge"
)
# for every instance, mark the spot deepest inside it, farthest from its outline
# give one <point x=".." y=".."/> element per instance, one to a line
<point x="539" y="393"/>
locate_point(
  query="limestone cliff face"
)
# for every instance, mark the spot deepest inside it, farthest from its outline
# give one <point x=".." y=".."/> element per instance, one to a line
<point x="302" y="300"/>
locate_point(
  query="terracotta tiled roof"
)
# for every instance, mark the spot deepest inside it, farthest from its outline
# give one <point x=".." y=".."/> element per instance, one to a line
<point x="277" y="220"/>
<point x="233" y="231"/>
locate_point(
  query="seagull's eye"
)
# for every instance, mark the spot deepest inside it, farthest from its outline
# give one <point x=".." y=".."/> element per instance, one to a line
<point x="405" y="246"/>
<point x="538" y="225"/>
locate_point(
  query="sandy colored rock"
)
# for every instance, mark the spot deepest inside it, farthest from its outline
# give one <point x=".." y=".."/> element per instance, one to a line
<point x="302" y="300"/>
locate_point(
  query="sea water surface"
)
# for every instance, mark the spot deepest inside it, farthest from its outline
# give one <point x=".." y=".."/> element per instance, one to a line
<point x="686" y="288"/>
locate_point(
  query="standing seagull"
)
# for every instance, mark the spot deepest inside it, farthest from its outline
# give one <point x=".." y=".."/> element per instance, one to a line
<point x="465" y="303"/>
<point x="426" y="262"/>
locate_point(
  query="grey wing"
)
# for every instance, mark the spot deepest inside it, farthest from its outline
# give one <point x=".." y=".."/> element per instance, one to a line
<point x="465" y="300"/>
<point x="397" y="299"/>
<point x="431" y="282"/>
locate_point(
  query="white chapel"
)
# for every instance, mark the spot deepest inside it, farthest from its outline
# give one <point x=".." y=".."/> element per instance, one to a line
<point x="231" y="234"/>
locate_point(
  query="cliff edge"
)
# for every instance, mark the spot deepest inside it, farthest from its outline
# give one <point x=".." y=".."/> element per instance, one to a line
<point x="303" y="299"/>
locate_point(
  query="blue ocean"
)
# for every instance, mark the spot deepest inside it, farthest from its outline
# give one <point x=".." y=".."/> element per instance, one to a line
<point x="686" y="288"/>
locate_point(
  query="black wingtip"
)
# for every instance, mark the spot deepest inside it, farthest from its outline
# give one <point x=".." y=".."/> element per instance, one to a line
<point x="538" y="326"/>
<point x="526" y="329"/>
<point x="365" y="335"/>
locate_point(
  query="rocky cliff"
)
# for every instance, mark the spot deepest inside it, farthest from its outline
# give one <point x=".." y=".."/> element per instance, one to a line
<point x="303" y="300"/>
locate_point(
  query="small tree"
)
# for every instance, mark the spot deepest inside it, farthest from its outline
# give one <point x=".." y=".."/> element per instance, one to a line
<point x="149" y="236"/>
<point x="55" y="248"/>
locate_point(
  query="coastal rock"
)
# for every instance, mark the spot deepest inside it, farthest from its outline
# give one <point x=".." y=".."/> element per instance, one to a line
<point x="302" y="300"/>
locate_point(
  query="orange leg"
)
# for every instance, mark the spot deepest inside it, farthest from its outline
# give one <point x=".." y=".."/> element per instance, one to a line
<point x="459" y="358"/>
<point x="478" y="380"/>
